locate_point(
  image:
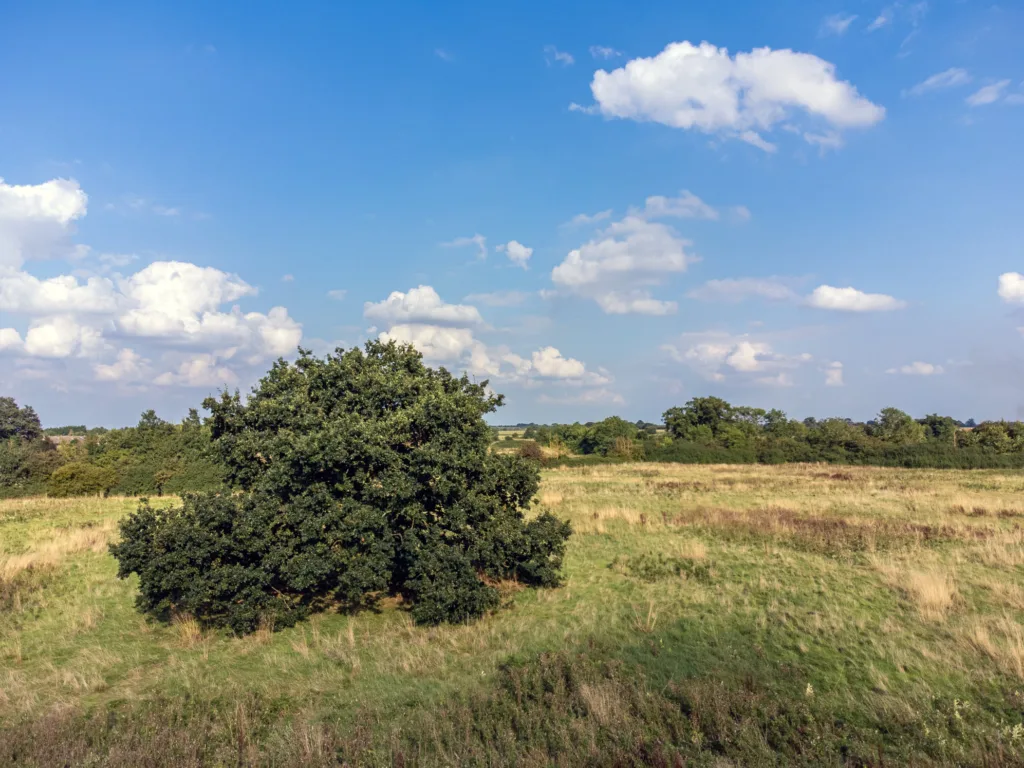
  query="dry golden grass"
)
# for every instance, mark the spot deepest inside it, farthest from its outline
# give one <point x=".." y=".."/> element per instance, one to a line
<point x="1002" y="640"/>
<point x="932" y="591"/>
<point x="54" y="551"/>
<point x="188" y="630"/>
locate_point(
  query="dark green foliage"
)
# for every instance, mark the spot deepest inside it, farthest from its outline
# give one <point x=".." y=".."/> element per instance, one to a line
<point x="81" y="479"/>
<point x="235" y="561"/>
<point x="22" y="423"/>
<point x="26" y="466"/>
<point x="596" y="438"/>
<point x="656" y="567"/>
<point x="364" y="474"/>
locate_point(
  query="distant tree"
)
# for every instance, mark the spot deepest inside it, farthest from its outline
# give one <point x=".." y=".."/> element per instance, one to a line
<point x="708" y="412"/>
<point x="602" y="436"/>
<point x="18" y="422"/>
<point x="149" y="420"/>
<point x="363" y="474"/>
<point x="940" y="428"/>
<point x="896" y="427"/>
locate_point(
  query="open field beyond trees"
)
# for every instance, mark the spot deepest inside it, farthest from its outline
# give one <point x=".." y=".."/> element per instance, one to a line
<point x="725" y="615"/>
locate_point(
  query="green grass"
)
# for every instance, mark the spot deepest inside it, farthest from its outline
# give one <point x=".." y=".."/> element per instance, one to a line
<point x="719" y="614"/>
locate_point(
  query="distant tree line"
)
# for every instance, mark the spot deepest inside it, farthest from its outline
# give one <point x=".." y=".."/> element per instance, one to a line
<point x="156" y="457"/>
<point x="152" y="458"/>
<point x="711" y="430"/>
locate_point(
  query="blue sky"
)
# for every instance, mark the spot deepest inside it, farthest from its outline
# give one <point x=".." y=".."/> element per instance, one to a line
<point x="602" y="208"/>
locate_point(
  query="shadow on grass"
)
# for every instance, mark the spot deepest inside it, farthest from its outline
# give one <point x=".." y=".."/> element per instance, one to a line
<point x="676" y="696"/>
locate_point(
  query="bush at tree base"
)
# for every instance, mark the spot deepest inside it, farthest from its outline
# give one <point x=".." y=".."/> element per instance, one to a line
<point x="363" y="474"/>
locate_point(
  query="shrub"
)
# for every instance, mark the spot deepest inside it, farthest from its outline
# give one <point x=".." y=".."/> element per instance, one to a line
<point x="531" y="451"/>
<point x="81" y="479"/>
<point x="363" y="474"/>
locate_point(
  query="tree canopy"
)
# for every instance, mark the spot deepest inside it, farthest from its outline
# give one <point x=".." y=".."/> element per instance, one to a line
<point x="363" y="474"/>
<point x="18" y="422"/>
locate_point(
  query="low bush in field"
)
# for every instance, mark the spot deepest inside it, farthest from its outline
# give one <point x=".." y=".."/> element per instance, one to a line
<point x="364" y="474"/>
<point x="81" y="479"/>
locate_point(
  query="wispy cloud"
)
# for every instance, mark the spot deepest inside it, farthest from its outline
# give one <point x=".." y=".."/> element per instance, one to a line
<point x="553" y="55"/>
<point x="883" y="19"/>
<point x="444" y="55"/>
<point x="950" y="78"/>
<point x="478" y="240"/>
<point x="837" y="24"/>
<point x="604" y="52"/>
<point x="988" y="94"/>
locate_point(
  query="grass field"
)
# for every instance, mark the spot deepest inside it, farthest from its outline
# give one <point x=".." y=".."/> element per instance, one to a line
<point x="716" y="615"/>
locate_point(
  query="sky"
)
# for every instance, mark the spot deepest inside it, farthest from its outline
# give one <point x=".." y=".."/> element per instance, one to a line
<point x="601" y="208"/>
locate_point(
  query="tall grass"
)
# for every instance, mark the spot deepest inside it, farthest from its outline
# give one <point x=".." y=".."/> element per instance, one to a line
<point x="718" y="614"/>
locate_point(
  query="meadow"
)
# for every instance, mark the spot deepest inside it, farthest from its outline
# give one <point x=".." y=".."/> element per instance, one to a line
<point x="710" y="615"/>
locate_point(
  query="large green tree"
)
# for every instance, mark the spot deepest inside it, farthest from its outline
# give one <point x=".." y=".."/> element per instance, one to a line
<point x="18" y="422"/>
<point x="363" y="474"/>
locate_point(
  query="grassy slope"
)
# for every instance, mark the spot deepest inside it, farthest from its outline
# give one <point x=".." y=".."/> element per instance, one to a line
<point x="745" y="614"/>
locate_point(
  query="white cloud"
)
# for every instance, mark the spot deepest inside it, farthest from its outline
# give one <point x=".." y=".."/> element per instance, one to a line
<point x="604" y="52"/>
<point x="10" y="339"/>
<point x="781" y="379"/>
<point x="686" y="206"/>
<point x="852" y="300"/>
<point x="421" y="305"/>
<point x="549" y="362"/>
<point x="1011" y="287"/>
<point x="517" y="253"/>
<point x="704" y="88"/>
<point x="174" y="304"/>
<point x="837" y="24"/>
<point x="129" y="366"/>
<point x="23" y="293"/>
<point x="177" y="303"/>
<point x="834" y="375"/>
<point x="583" y="218"/>
<point x="498" y="298"/>
<point x="444" y="333"/>
<point x="338" y="294"/>
<point x="757" y="140"/>
<point x="36" y="220"/>
<point x="987" y="94"/>
<point x="172" y="308"/>
<point x="718" y="356"/>
<point x="435" y="342"/>
<point x="635" y="302"/>
<point x="738" y="289"/>
<point x="625" y="256"/>
<point x="110" y="261"/>
<point x="62" y="336"/>
<point x="917" y="369"/>
<point x="444" y="55"/>
<point x="950" y="78"/>
<point x="477" y="240"/>
<point x="552" y="54"/>
<point x="288" y="278"/>
<point x="883" y="19"/>
<point x="198" y="371"/>
<point x="617" y="267"/>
